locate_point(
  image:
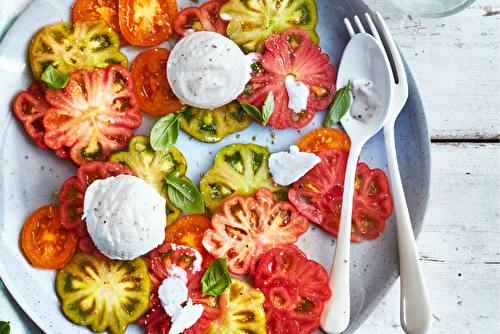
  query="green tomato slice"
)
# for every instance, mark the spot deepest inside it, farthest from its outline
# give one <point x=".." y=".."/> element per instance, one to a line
<point x="244" y="312"/>
<point x="252" y="21"/>
<point x="211" y="125"/>
<point x="239" y="169"/>
<point x="103" y="294"/>
<point x="67" y="47"/>
<point x="153" y="167"/>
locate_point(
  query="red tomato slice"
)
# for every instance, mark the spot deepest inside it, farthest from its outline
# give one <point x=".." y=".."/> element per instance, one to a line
<point x="188" y="230"/>
<point x="146" y="22"/>
<point x="248" y="227"/>
<point x="295" y="289"/>
<point x="93" y="115"/>
<point x="72" y="195"/>
<point x="149" y="71"/>
<point x="203" y="18"/>
<point x="323" y="186"/>
<point x="321" y="139"/>
<point x="91" y="10"/>
<point x="165" y="261"/>
<point x="46" y="242"/>
<point x="290" y="54"/>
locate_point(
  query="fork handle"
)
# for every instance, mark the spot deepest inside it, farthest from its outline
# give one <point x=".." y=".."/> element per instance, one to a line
<point x="416" y="315"/>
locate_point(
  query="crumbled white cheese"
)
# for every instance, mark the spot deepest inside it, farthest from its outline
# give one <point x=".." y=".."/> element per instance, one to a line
<point x="288" y="167"/>
<point x="298" y="94"/>
<point x="366" y="101"/>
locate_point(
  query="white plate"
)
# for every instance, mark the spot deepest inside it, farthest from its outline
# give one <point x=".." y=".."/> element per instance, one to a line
<point x="29" y="176"/>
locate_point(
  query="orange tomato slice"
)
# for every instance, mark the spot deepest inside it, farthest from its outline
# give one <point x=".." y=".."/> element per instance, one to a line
<point x="188" y="230"/>
<point x="45" y="241"/>
<point x="321" y="139"/>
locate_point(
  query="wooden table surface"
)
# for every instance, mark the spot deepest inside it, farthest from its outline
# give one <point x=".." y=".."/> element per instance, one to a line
<point x="455" y="62"/>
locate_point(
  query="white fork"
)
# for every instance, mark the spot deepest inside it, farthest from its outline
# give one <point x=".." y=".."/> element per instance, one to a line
<point x="416" y="315"/>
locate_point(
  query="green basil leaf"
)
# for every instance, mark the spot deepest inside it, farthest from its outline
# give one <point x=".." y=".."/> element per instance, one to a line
<point x="339" y="106"/>
<point x="184" y="195"/>
<point x="252" y="111"/>
<point x="165" y="132"/>
<point x="267" y="108"/>
<point x="54" y="79"/>
<point x="4" y="327"/>
<point x="216" y="279"/>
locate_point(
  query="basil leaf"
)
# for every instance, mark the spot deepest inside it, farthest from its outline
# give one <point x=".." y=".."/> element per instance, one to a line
<point x="216" y="279"/>
<point x="165" y="132"/>
<point x="4" y="327"/>
<point x="184" y="195"/>
<point x="267" y="108"/>
<point x="252" y="111"/>
<point x="339" y="106"/>
<point x="54" y="79"/>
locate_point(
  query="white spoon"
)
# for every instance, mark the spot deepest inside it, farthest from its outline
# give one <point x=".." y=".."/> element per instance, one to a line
<point x="363" y="58"/>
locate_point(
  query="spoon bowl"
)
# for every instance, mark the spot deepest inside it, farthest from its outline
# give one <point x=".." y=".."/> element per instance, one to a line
<point x="363" y="58"/>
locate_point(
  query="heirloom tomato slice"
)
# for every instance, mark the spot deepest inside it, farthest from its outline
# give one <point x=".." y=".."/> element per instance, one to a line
<point x="103" y="294"/>
<point x="188" y="230"/>
<point x="172" y="260"/>
<point x="248" y="227"/>
<point x="244" y="312"/>
<point x="295" y="289"/>
<point x="72" y="195"/>
<point x="211" y="125"/>
<point x="252" y="21"/>
<point x="321" y="139"/>
<point x="149" y="71"/>
<point x="290" y="57"/>
<point x="146" y="22"/>
<point x="239" y="169"/>
<point x="153" y="167"/>
<point x="203" y="18"/>
<point x="46" y="242"/>
<point x="68" y="47"/>
<point x="93" y="115"/>
<point x="91" y="10"/>
<point x="318" y="196"/>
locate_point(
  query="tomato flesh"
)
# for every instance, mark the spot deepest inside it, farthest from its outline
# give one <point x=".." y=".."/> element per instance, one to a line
<point x="203" y="18"/>
<point x="321" y="139"/>
<point x="45" y="241"/>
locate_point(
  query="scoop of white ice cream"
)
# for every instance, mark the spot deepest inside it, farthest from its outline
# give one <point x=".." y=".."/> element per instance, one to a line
<point x="125" y="216"/>
<point x="207" y="70"/>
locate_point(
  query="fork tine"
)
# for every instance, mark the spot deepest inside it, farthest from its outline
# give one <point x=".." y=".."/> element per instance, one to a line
<point x="373" y="29"/>
<point x="348" y="25"/>
<point x="359" y="24"/>
<point x="398" y="63"/>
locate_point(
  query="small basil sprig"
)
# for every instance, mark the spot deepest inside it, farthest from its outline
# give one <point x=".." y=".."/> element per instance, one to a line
<point x="165" y="132"/>
<point x="54" y="79"/>
<point x="184" y="194"/>
<point x="216" y="279"/>
<point x="267" y="109"/>
<point x="4" y="327"/>
<point x="339" y="106"/>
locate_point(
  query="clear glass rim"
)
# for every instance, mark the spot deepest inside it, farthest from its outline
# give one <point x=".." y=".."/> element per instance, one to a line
<point x="428" y="12"/>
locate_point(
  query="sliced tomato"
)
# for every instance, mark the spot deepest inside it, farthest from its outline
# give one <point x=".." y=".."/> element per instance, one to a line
<point x="318" y="196"/>
<point x="248" y="227"/>
<point x="93" y="115"/>
<point x="321" y="139"/>
<point x="188" y="230"/>
<point x="72" y="194"/>
<point x="149" y="71"/>
<point x="290" y="55"/>
<point x="90" y="10"/>
<point x="295" y="289"/>
<point x="168" y="260"/>
<point x="203" y="18"/>
<point x="146" y="22"/>
<point x="46" y="242"/>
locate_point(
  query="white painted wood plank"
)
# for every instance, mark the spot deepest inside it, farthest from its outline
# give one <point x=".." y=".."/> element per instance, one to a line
<point x="458" y="246"/>
<point x="456" y="64"/>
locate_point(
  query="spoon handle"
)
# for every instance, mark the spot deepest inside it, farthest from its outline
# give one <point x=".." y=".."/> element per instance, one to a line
<point x="337" y="310"/>
<point x="416" y="315"/>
